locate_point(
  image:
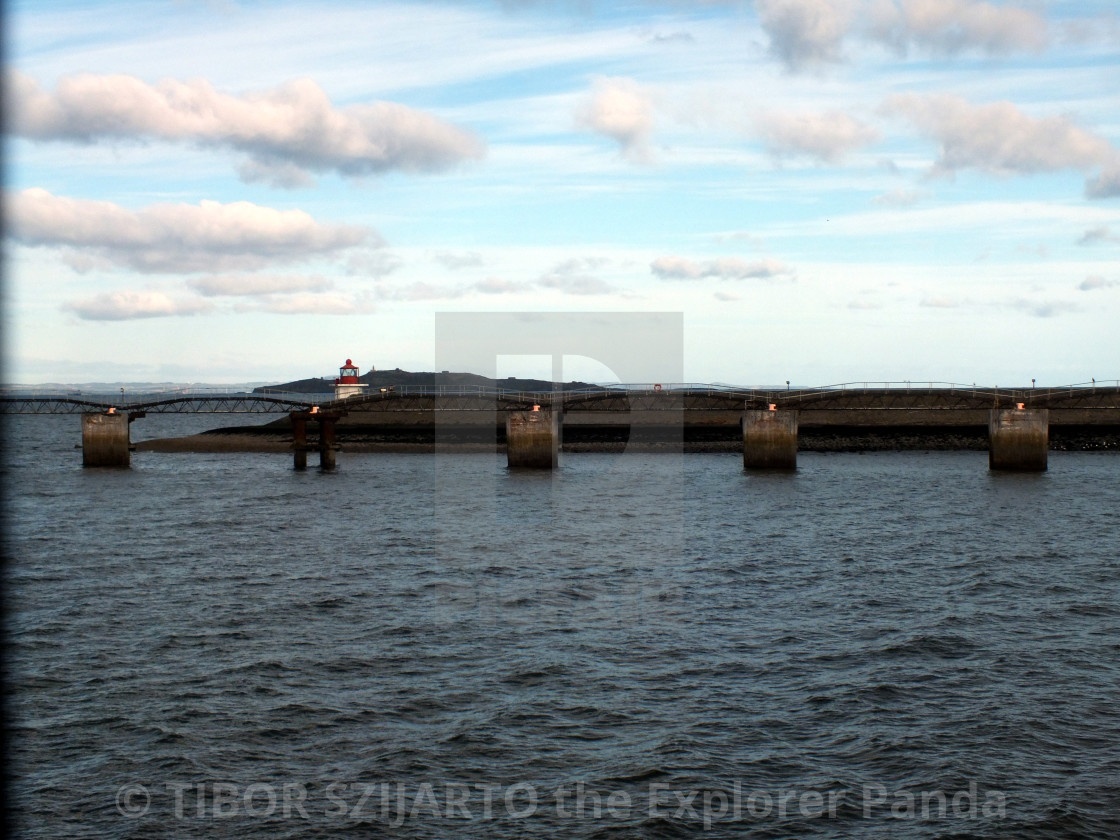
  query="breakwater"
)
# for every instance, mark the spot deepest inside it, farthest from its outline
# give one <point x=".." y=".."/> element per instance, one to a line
<point x="698" y="420"/>
<point x="714" y="414"/>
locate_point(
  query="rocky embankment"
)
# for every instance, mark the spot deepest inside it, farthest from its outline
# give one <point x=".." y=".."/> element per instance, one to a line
<point x="274" y="438"/>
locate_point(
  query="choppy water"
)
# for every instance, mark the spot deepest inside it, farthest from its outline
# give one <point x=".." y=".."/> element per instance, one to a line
<point x="215" y="645"/>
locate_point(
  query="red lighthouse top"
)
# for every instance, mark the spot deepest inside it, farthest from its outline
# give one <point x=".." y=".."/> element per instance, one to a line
<point x="347" y="374"/>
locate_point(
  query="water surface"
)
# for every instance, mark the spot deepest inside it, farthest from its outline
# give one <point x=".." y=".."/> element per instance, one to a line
<point x="215" y="645"/>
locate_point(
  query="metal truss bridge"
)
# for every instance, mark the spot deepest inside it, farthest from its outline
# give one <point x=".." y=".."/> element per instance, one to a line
<point x="156" y="403"/>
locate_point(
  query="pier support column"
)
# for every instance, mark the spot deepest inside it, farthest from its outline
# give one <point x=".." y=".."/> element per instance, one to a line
<point x="327" y="445"/>
<point x="1018" y="439"/>
<point x="770" y="440"/>
<point x="299" y="440"/>
<point x="533" y="439"/>
<point x="105" y="440"/>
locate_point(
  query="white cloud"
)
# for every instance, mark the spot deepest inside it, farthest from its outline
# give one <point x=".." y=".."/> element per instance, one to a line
<point x="899" y="198"/>
<point x="577" y="284"/>
<point x="809" y="33"/>
<point x="498" y="286"/>
<point x="623" y="111"/>
<point x="738" y="236"/>
<point x="1103" y="233"/>
<point x="310" y="304"/>
<point x="1045" y="309"/>
<point x="1035" y="219"/>
<point x="574" y="277"/>
<point x="374" y="264"/>
<point x="727" y="268"/>
<point x="827" y="136"/>
<point x="951" y="26"/>
<point x="283" y="175"/>
<point x="1036" y="308"/>
<point x="1090" y="284"/>
<point x="286" y="130"/>
<point x="455" y="260"/>
<point x="251" y="285"/>
<point x="1098" y="29"/>
<point x="176" y="238"/>
<point x="1000" y="139"/>
<point x="1035" y="249"/>
<point x="418" y="291"/>
<point x="1107" y="184"/>
<point x="124" y="306"/>
<point x="678" y="37"/>
<point x="804" y="33"/>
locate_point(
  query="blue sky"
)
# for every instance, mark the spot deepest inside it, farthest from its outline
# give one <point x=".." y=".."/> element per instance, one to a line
<point x="828" y="190"/>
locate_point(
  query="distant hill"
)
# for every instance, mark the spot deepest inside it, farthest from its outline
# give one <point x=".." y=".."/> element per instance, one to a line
<point x="377" y="379"/>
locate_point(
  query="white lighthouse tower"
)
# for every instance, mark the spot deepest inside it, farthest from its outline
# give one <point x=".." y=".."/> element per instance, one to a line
<point x="347" y="384"/>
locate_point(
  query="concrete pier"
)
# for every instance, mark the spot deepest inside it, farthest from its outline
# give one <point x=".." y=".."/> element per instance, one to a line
<point x="770" y="439"/>
<point x="328" y="443"/>
<point x="532" y="439"/>
<point x="299" y="440"/>
<point x="1018" y="439"/>
<point x="105" y="440"/>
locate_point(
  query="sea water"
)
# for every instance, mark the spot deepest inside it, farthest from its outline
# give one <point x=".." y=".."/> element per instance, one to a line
<point x="898" y="645"/>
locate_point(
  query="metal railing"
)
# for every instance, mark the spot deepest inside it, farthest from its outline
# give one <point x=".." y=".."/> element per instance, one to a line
<point x="156" y="403"/>
<point x="217" y="400"/>
<point x="721" y="389"/>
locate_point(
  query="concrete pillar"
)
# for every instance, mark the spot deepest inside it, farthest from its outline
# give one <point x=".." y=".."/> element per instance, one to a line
<point x="1018" y="439"/>
<point x="299" y="440"/>
<point x="532" y="439"/>
<point x="770" y="440"/>
<point x="327" y="445"/>
<point x="105" y="440"/>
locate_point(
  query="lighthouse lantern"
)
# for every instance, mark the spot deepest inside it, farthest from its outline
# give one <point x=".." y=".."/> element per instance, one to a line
<point x="348" y="373"/>
<point x="347" y="384"/>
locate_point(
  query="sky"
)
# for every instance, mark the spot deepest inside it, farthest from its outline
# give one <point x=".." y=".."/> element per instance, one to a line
<point x="827" y="190"/>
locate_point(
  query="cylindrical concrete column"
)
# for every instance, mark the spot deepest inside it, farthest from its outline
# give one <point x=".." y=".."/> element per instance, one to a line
<point x="327" y="445"/>
<point x="770" y="440"/>
<point x="532" y="439"/>
<point x="1018" y="439"/>
<point x="105" y="440"/>
<point x="299" y="440"/>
